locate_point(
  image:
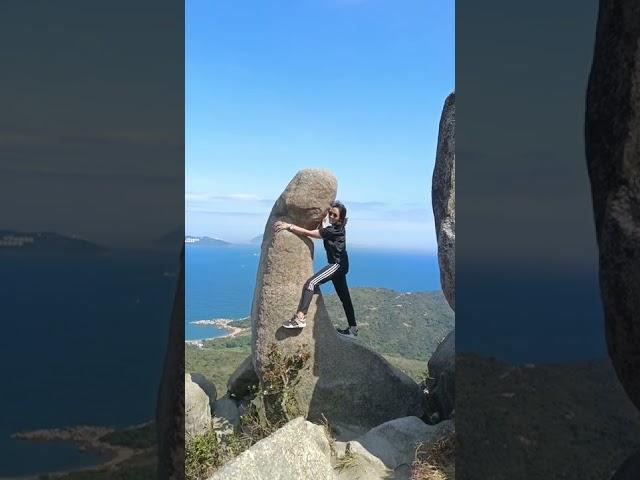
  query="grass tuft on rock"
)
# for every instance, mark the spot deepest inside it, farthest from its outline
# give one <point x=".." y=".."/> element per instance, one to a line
<point x="273" y="406"/>
<point x="436" y="460"/>
<point x="348" y="460"/>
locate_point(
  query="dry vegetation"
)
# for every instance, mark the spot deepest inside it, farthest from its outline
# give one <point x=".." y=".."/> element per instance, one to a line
<point x="435" y="461"/>
<point x="273" y="406"/>
<point x="348" y="460"/>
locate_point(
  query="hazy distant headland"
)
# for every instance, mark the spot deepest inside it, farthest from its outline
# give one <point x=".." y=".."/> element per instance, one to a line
<point x="207" y="241"/>
<point x="45" y="242"/>
<point x="204" y="241"/>
<point x="257" y="240"/>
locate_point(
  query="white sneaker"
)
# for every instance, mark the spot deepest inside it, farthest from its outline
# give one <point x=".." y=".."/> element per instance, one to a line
<point x="295" y="322"/>
<point x="349" y="332"/>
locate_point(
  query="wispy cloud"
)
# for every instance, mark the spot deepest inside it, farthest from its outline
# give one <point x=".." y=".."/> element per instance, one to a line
<point x="227" y="213"/>
<point x="236" y="197"/>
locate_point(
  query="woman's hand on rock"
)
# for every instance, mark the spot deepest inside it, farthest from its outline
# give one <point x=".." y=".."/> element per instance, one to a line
<point x="278" y="226"/>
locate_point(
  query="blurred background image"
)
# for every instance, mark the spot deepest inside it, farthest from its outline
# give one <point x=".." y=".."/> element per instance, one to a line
<point x="90" y="234"/>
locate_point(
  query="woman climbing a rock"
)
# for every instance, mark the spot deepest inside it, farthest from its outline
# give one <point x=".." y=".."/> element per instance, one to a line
<point x="334" y="239"/>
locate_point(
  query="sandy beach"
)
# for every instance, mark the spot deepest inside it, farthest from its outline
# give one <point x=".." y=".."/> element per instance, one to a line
<point x="223" y="323"/>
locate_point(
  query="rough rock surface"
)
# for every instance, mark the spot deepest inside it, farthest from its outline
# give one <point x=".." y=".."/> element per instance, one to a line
<point x="206" y="385"/>
<point x="612" y="139"/>
<point x="227" y="408"/>
<point x="394" y="442"/>
<point x="299" y="450"/>
<point x="227" y="415"/>
<point x="443" y="199"/>
<point x="241" y="381"/>
<point x="197" y="408"/>
<point x="170" y="406"/>
<point x="613" y="157"/>
<point x="442" y="375"/>
<point x="568" y="421"/>
<point x="367" y="466"/>
<point x="388" y="450"/>
<point x="302" y="450"/>
<point x="347" y="382"/>
<point x="629" y="468"/>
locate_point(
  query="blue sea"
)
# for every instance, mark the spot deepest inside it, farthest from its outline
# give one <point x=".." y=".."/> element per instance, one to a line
<point x="83" y="341"/>
<point x="83" y="336"/>
<point x="519" y="315"/>
<point x="220" y="280"/>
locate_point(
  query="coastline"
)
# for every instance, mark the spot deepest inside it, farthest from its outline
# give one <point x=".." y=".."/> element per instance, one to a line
<point x="222" y="323"/>
<point x="85" y="437"/>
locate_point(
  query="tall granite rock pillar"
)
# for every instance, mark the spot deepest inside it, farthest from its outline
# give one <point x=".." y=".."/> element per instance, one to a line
<point x="443" y="199"/>
<point x="441" y="382"/>
<point x="612" y="137"/>
<point x="347" y="382"/>
<point x="170" y="405"/>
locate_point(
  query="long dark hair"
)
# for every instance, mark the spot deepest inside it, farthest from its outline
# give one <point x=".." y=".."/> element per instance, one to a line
<point x="343" y="212"/>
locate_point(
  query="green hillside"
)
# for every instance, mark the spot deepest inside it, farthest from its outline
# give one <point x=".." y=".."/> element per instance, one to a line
<point x="216" y="361"/>
<point x="405" y="328"/>
<point x="408" y="325"/>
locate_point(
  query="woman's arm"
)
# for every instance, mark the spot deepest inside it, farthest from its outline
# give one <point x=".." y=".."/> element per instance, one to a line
<point x="297" y="230"/>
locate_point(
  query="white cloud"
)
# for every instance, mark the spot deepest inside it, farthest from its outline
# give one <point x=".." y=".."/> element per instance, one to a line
<point x="240" y="216"/>
<point x="227" y="213"/>
<point x="242" y="197"/>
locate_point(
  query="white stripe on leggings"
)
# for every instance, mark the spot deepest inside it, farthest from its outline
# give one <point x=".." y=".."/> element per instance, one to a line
<point x="332" y="269"/>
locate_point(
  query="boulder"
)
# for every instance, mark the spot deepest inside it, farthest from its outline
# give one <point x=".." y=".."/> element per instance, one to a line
<point x="442" y="375"/>
<point x="206" y="385"/>
<point x="227" y="416"/>
<point x="612" y="130"/>
<point x="170" y="403"/>
<point x="227" y="408"/>
<point x="395" y="442"/>
<point x="612" y="144"/>
<point x="630" y="468"/>
<point x="443" y="199"/>
<point x="243" y="379"/>
<point x="364" y="465"/>
<point x="299" y="450"/>
<point x="197" y="408"/>
<point x="346" y="381"/>
<point x="388" y="450"/>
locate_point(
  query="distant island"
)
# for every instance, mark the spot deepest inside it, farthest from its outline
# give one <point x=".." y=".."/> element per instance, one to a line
<point x="256" y="240"/>
<point x="204" y="241"/>
<point x="14" y="241"/>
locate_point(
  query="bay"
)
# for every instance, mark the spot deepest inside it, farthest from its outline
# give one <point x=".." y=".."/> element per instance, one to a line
<point x="220" y="281"/>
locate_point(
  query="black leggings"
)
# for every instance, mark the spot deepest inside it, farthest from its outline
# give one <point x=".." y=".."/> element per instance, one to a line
<point x="338" y="275"/>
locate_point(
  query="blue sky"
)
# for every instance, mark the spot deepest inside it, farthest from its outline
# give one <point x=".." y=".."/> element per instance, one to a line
<point x="353" y="86"/>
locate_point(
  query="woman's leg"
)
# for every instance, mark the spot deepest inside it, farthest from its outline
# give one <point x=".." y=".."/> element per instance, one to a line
<point x="340" y="284"/>
<point x="311" y="286"/>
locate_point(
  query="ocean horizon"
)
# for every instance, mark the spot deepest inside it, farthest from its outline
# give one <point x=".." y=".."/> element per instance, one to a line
<point x="220" y="280"/>
<point x="220" y="283"/>
<point x="99" y="308"/>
